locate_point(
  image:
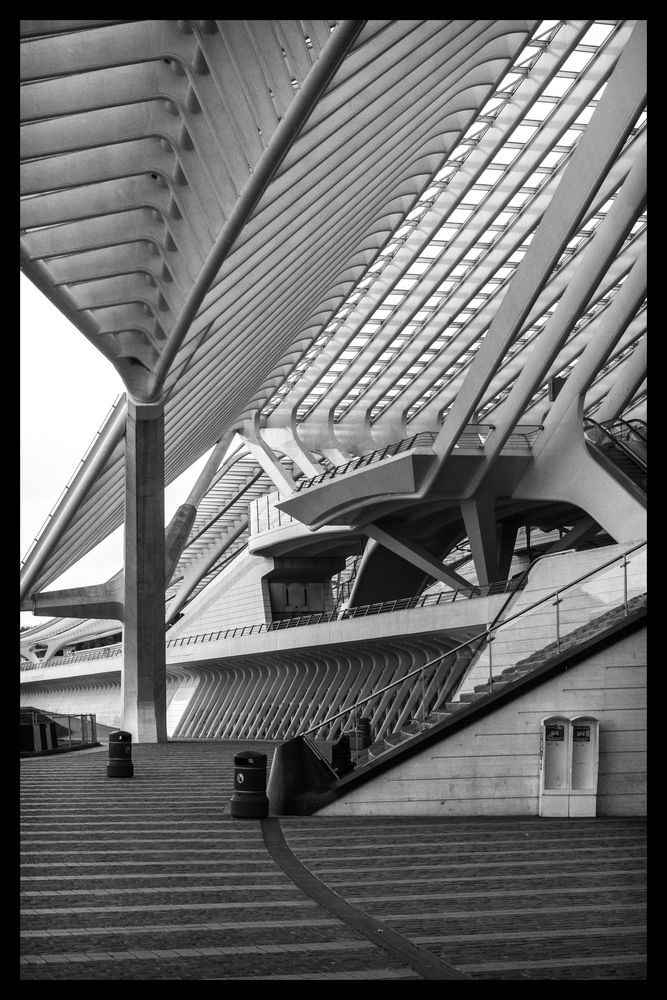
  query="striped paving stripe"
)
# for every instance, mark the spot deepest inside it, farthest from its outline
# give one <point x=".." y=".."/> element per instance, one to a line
<point x="163" y="907"/>
<point x="359" y="974"/>
<point x="456" y="856"/>
<point x="159" y="889"/>
<point x="166" y="953"/>
<point x="313" y="922"/>
<point x="59" y="932"/>
<point x="381" y="835"/>
<point x="133" y="833"/>
<point x="634" y="958"/>
<point x="484" y="878"/>
<point x="524" y="935"/>
<point x="308" y="826"/>
<point x="161" y="875"/>
<point x="412" y="897"/>
<point x="440" y="866"/>
<point x="131" y="864"/>
<point x="151" y="850"/>
<point x="523" y="911"/>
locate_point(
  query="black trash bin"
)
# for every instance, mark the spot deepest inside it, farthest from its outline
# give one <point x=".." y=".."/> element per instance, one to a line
<point x="27" y="738"/>
<point x="341" y="758"/>
<point x="120" y="755"/>
<point x="249" y="800"/>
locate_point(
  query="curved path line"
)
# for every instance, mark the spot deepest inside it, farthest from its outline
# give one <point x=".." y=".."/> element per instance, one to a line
<point x="399" y="947"/>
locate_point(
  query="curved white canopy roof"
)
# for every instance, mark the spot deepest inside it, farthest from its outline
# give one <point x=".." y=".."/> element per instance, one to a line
<point x="350" y="299"/>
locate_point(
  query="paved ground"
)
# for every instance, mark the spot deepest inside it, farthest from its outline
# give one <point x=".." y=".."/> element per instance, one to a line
<point x="151" y="878"/>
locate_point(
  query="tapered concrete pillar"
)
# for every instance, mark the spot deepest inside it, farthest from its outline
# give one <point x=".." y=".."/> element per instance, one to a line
<point x="480" y="522"/>
<point x="144" y="659"/>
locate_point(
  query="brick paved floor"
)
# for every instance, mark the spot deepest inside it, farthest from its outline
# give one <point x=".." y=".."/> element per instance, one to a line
<point x="151" y="878"/>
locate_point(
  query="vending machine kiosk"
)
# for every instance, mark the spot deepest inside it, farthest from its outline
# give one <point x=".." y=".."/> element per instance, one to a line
<point x="584" y="770"/>
<point x="568" y="766"/>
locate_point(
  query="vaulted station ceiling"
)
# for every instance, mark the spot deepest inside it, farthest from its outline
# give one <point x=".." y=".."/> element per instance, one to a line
<point x="312" y="220"/>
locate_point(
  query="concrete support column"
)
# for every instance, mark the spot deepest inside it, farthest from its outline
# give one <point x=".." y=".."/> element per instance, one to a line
<point x="144" y="658"/>
<point x="480" y="523"/>
<point x="506" y="541"/>
<point x="251" y="437"/>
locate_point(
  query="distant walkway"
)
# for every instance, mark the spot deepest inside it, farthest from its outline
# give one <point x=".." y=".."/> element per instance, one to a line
<point x="151" y="878"/>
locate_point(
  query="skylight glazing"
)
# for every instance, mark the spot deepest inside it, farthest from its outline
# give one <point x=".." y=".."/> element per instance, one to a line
<point x="414" y="347"/>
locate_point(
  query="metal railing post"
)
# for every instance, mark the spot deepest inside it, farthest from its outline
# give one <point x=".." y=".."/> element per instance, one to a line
<point x="423" y="699"/>
<point x="625" y="586"/>
<point x="490" y="639"/>
<point x="69" y="727"/>
<point x="356" y="738"/>
<point x="557" y="604"/>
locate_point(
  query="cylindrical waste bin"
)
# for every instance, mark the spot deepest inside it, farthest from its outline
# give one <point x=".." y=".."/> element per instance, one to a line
<point x="341" y="760"/>
<point x="249" y="800"/>
<point x="120" y="755"/>
<point x="364" y="731"/>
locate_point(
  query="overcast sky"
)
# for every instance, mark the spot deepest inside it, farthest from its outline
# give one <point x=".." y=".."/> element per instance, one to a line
<point x="67" y="390"/>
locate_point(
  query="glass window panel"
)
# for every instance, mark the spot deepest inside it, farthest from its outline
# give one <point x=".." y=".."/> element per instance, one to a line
<point x="576" y="61"/>
<point x="557" y="87"/>
<point x="523" y="133"/>
<point x="540" y="110"/>
<point x="597" y="34"/>
<point x="505" y="155"/>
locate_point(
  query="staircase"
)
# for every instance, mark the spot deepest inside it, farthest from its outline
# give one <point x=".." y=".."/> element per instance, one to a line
<point x="523" y="668"/>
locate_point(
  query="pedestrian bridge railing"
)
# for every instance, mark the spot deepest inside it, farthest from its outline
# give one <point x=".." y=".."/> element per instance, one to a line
<point x="472" y="437"/>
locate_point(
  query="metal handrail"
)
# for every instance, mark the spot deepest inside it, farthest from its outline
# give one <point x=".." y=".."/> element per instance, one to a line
<point x="423" y="437"/>
<point x="641" y="429"/>
<point x="636" y="432"/>
<point x="488" y="634"/>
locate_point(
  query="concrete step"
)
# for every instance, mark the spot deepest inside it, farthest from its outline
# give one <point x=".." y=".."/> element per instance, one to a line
<point x="469" y="696"/>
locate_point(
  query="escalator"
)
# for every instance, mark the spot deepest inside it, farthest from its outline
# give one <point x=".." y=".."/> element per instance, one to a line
<point x="622" y="443"/>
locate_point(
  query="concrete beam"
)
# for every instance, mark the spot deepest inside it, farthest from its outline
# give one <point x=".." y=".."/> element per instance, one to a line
<point x="102" y="600"/>
<point x="106" y="600"/>
<point x="580" y="533"/>
<point x="249" y="433"/>
<point x="416" y="555"/>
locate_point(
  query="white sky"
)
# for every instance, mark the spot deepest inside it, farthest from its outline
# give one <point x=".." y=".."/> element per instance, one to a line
<point x="67" y="390"/>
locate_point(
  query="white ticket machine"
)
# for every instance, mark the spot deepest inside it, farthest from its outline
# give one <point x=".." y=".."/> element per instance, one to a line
<point x="584" y="770"/>
<point x="568" y="766"/>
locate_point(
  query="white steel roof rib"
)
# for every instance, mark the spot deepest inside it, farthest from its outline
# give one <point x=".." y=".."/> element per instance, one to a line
<point x="199" y="198"/>
<point x="400" y="354"/>
<point x="220" y="529"/>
